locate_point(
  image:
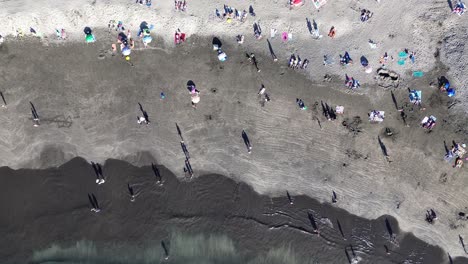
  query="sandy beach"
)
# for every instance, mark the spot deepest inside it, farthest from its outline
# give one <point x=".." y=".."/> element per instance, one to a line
<point x="88" y="101"/>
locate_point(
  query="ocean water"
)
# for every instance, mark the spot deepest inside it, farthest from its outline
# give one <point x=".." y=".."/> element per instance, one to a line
<point x="203" y="249"/>
<point x="208" y="219"/>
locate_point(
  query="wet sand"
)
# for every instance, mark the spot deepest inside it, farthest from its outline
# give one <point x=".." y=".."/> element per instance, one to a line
<point x="56" y="212"/>
<point x="88" y="103"/>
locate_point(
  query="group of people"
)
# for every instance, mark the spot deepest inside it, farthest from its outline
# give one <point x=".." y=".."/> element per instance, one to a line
<point x="180" y="5"/>
<point x="229" y="13"/>
<point x="457" y="151"/>
<point x="179" y="37"/>
<point x="60" y="33"/>
<point x="295" y="62"/>
<point x="345" y="59"/>
<point x="376" y="116"/>
<point x="430" y="216"/>
<point x="459" y="8"/>
<point x="365" y="15"/>
<point x="351" y="83"/>
<point x="429" y="122"/>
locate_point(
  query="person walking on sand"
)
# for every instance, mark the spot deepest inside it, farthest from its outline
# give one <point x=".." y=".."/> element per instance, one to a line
<point x="334" y="197"/>
<point x="4" y="104"/>
<point x="35" y="116"/>
<point x="98" y="171"/>
<point x="94" y="203"/>
<point x="253" y="60"/>
<point x="246" y="141"/>
<point x="332" y="32"/>
<point x="195" y="94"/>
<point x="131" y="192"/>
<point x="143" y="119"/>
<point x="273" y="55"/>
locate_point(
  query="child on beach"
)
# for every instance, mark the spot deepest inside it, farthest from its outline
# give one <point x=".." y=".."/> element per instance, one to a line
<point x="301" y="104"/>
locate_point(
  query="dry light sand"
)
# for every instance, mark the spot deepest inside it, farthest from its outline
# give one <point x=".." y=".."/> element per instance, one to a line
<point x="88" y="104"/>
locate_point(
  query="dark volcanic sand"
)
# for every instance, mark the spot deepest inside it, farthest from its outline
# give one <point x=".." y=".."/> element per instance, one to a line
<point x="45" y="207"/>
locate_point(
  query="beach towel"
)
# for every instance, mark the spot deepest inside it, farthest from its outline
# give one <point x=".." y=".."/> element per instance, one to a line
<point x="296" y="2"/>
<point x="418" y="74"/>
<point x="222" y="56"/>
<point x="319" y="3"/>
<point x="339" y="109"/>
<point x="272" y="33"/>
<point x="376" y="116"/>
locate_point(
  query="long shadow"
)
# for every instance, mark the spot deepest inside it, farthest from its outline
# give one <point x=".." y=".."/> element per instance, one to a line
<point x="141" y="107"/>
<point x="312" y="221"/>
<point x="462" y="242"/>
<point x="347" y="256"/>
<point x="33" y="108"/>
<point x="246" y="140"/>
<point x="166" y="250"/>
<point x="389" y="227"/>
<point x="99" y="169"/>
<point x="449" y="2"/>
<point x="446" y="148"/>
<point x="383" y="148"/>
<point x="309" y="25"/>
<point x="96" y="171"/>
<point x="340" y="228"/>
<point x="331" y="112"/>
<point x="394" y="100"/>
<point x="179" y="132"/>
<point x="324" y="109"/>
<point x="271" y="49"/>
<point x="289" y="198"/>
<point x="314" y="24"/>
<point x="256" y="28"/>
<point x="185" y="150"/>
<point x="251" y="11"/>
<point x="352" y="250"/>
<point x="156" y="172"/>
<point x="3" y="98"/>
